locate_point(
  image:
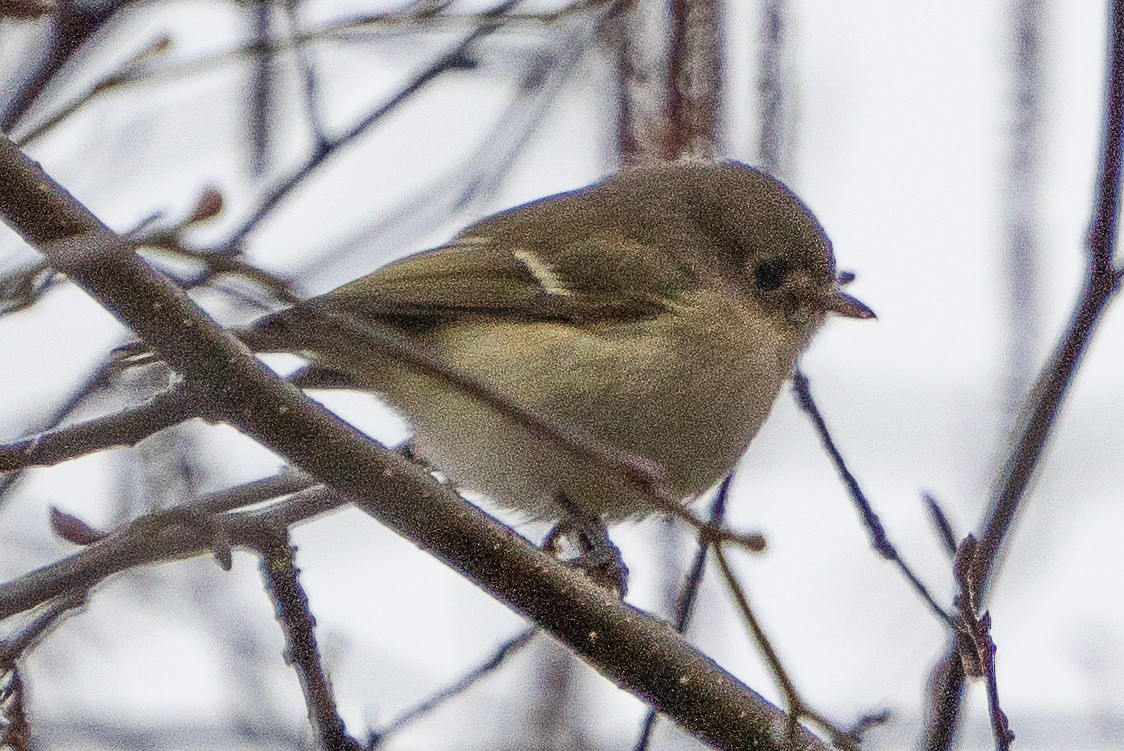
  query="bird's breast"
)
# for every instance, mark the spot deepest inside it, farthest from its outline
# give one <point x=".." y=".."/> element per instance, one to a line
<point x="687" y="390"/>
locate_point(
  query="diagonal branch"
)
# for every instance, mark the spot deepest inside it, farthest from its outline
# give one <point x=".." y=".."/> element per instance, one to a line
<point x="640" y="654"/>
<point x="688" y="593"/>
<point x="72" y="27"/>
<point x="879" y="538"/>
<point x="511" y="646"/>
<point x="200" y="527"/>
<point x="1102" y="281"/>
<point x="455" y="59"/>
<point x="125" y="428"/>
<point x="77" y="398"/>
<point x="797" y="706"/>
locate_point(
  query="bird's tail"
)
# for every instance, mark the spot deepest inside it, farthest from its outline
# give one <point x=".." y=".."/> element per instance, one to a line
<point x="272" y="333"/>
<point x="265" y="335"/>
<point x="131" y="355"/>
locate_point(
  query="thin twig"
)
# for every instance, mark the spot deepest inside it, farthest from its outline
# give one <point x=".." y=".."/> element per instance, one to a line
<point x="23" y="287"/>
<point x="797" y="707"/>
<point x="436" y="17"/>
<point x="878" y="535"/>
<point x="1021" y="211"/>
<point x="170" y="242"/>
<point x="290" y="602"/>
<point x="185" y="531"/>
<point x="773" y="89"/>
<point x="359" y="27"/>
<point x="974" y="642"/>
<point x="454" y="689"/>
<point x="455" y="59"/>
<point x="637" y="471"/>
<point x="26" y="286"/>
<point x="124" y="428"/>
<point x="15" y="646"/>
<point x="309" y="80"/>
<point x="15" y="728"/>
<point x="78" y="397"/>
<point x="72" y="27"/>
<point x="465" y="183"/>
<point x="940" y="522"/>
<point x="262" y="93"/>
<point x="1102" y="282"/>
<point x="685" y="603"/>
<point x="132" y="70"/>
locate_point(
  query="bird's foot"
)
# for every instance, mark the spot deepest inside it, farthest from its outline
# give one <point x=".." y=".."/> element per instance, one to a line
<point x="582" y="541"/>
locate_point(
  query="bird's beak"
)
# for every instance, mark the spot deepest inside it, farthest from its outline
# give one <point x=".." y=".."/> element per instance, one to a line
<point x="845" y="305"/>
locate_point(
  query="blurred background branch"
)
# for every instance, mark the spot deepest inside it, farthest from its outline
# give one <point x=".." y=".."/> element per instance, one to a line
<point x="1102" y="281"/>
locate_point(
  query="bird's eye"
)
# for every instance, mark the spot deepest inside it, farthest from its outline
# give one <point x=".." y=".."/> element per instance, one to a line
<point x="770" y="275"/>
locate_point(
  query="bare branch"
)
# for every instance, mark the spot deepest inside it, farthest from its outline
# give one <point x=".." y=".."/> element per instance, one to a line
<point x="456" y="688"/>
<point x="133" y="69"/>
<point x="72" y="26"/>
<point x="974" y="642"/>
<point x="214" y="265"/>
<point x="140" y="69"/>
<point x="434" y="16"/>
<point x="694" y="79"/>
<point x="93" y="383"/>
<point x="282" y="578"/>
<point x="196" y="528"/>
<point x="1102" y="283"/>
<point x="15" y="729"/>
<point x="797" y="707"/>
<point x="15" y="646"/>
<point x="685" y="603"/>
<point x="1103" y="279"/>
<point x="472" y="180"/>
<point x="878" y="535"/>
<point x="940" y="522"/>
<point x="310" y="81"/>
<point x="23" y="287"/>
<point x="125" y="428"/>
<point x="1021" y="211"/>
<point x="262" y="94"/>
<point x="773" y="89"/>
<point x="458" y="58"/>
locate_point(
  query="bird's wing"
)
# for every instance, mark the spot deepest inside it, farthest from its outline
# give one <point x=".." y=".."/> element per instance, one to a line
<point x="578" y="281"/>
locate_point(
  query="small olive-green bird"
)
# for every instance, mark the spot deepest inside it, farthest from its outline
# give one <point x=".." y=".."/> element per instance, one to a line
<point x="658" y="312"/>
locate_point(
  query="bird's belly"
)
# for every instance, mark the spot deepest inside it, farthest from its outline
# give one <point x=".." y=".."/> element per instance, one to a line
<point x="688" y="400"/>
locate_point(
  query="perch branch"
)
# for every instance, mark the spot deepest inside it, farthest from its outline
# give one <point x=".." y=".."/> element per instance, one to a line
<point x="640" y="654"/>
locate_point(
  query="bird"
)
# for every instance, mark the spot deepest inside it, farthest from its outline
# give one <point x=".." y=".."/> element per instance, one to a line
<point x="657" y="312"/>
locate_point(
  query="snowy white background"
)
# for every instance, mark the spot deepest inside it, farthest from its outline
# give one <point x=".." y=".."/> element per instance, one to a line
<point x="902" y="119"/>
